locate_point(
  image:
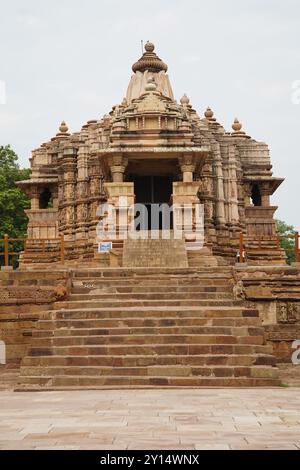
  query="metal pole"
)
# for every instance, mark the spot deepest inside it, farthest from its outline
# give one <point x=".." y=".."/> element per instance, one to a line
<point x="6" y="250"/>
<point x="297" y="247"/>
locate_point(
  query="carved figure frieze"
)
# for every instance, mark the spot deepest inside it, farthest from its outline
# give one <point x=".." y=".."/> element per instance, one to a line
<point x="239" y="291"/>
<point x="21" y="295"/>
<point x="288" y="312"/>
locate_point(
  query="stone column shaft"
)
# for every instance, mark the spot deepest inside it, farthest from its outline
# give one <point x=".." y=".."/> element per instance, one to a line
<point x="233" y="189"/>
<point x="217" y="162"/>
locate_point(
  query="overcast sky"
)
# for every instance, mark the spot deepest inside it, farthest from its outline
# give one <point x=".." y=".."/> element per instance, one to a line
<point x="71" y="60"/>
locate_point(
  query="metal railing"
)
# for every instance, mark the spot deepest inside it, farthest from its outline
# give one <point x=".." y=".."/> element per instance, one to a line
<point x="6" y="241"/>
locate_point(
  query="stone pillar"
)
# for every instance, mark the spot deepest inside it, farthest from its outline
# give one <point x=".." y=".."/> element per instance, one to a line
<point x="233" y="188"/>
<point x="247" y="194"/>
<point x="55" y="197"/>
<point x="265" y="194"/>
<point x="187" y="165"/>
<point x="114" y="223"/>
<point x="219" y="178"/>
<point x="96" y="196"/>
<point x="69" y="171"/>
<point x="186" y="209"/>
<point x="207" y="197"/>
<point x="35" y="199"/>
<point x="117" y="165"/>
<point x="82" y="193"/>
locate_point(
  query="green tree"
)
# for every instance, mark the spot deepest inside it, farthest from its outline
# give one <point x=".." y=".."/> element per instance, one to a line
<point x="287" y="241"/>
<point x="13" y="202"/>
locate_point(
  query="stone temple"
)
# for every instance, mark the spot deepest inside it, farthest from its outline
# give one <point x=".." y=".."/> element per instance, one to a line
<point x="152" y="149"/>
<point x="177" y="311"/>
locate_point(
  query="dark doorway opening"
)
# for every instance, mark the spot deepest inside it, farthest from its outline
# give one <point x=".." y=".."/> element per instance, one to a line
<point x="255" y="195"/>
<point x="46" y="200"/>
<point x="154" y="192"/>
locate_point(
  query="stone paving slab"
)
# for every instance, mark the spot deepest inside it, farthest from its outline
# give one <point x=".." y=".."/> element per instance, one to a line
<point x="151" y="419"/>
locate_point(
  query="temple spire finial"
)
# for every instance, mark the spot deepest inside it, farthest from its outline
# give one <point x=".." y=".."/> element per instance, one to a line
<point x="237" y="129"/>
<point x="149" y="46"/>
<point x="62" y="131"/>
<point x="237" y="126"/>
<point x="149" y="61"/>
<point x="185" y="101"/>
<point x="63" y="128"/>
<point x="209" y="114"/>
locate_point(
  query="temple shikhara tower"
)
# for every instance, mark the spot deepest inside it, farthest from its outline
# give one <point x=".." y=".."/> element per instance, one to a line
<point x="152" y="149"/>
<point x="93" y="308"/>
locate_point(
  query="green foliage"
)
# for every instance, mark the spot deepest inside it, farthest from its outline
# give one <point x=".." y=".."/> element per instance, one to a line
<point x="287" y="243"/>
<point x="13" y="202"/>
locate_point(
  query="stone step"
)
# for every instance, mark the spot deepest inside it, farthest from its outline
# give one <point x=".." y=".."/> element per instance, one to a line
<point x="8" y="377"/>
<point x="140" y="289"/>
<point x="135" y="339"/>
<point x="143" y="361"/>
<point x="77" y="304"/>
<point x="196" y="278"/>
<point x="145" y="296"/>
<point x="149" y="313"/>
<point x="64" y="382"/>
<point x="147" y="322"/>
<point x="145" y="330"/>
<point x="151" y="371"/>
<point x="151" y="349"/>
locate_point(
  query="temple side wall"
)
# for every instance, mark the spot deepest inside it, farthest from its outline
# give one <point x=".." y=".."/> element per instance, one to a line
<point x="23" y="298"/>
<point x="275" y="291"/>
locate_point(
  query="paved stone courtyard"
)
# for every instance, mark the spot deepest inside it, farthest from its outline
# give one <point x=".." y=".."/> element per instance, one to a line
<point x="152" y="419"/>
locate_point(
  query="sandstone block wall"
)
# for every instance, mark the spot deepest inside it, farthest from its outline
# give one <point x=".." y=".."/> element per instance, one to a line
<point x="23" y="296"/>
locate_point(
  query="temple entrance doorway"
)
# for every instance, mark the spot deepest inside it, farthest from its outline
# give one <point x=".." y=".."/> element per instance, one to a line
<point x="154" y="192"/>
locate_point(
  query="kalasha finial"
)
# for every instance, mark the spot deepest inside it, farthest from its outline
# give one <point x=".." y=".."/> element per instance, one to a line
<point x="185" y="100"/>
<point x="63" y="129"/>
<point x="149" y="46"/>
<point x="149" y="61"/>
<point x="209" y="114"/>
<point x="237" y="130"/>
<point x="237" y="126"/>
<point x="151" y="85"/>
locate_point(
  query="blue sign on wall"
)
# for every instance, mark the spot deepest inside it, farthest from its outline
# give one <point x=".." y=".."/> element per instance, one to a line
<point x="104" y="247"/>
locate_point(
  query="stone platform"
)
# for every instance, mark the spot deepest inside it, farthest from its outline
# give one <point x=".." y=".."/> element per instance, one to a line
<point x="152" y="419"/>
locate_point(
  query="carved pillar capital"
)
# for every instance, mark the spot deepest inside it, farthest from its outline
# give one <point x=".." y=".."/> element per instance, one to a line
<point x="187" y="165"/>
<point x="117" y="165"/>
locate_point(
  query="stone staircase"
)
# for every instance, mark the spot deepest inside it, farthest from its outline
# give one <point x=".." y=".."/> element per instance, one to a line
<point x="264" y="251"/>
<point x="137" y="328"/>
<point x="39" y="252"/>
